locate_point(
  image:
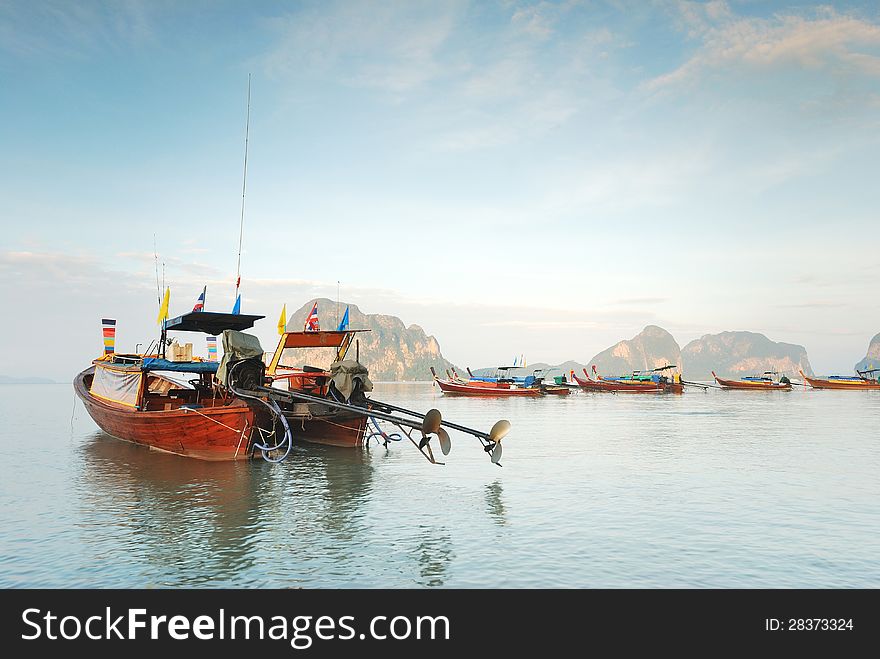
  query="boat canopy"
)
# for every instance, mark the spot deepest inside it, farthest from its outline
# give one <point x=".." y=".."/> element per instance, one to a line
<point x="118" y="385"/>
<point x="237" y="346"/>
<point x="211" y="322"/>
<point x="328" y="339"/>
<point x="154" y="364"/>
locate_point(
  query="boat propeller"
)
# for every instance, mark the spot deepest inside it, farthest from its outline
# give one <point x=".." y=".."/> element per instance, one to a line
<point x="431" y="422"/>
<point x="496" y="434"/>
<point x="408" y="421"/>
<point x="431" y="426"/>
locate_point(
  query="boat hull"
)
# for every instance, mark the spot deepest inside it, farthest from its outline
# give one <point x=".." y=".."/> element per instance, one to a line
<point x="469" y="389"/>
<point x="346" y="431"/>
<point x="849" y="385"/>
<point x="215" y="434"/>
<point x="628" y="388"/>
<point x="751" y="386"/>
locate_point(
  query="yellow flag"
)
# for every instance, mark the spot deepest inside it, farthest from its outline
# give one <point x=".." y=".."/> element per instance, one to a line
<point x="282" y="320"/>
<point x="163" y="309"/>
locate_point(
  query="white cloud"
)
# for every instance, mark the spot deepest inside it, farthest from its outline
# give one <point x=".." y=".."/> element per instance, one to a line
<point x="830" y="42"/>
<point x="390" y="46"/>
<point x="70" y="29"/>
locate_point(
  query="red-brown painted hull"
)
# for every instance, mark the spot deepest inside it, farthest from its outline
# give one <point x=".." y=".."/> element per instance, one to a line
<point x="607" y="385"/>
<point x="345" y="432"/>
<point x="752" y="386"/>
<point x="454" y="388"/>
<point x="853" y="385"/>
<point x="211" y="433"/>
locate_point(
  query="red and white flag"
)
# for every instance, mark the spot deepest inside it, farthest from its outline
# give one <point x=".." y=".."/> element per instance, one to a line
<point x="312" y="321"/>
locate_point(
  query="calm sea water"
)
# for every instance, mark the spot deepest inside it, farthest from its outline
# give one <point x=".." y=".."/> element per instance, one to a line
<point x="715" y="489"/>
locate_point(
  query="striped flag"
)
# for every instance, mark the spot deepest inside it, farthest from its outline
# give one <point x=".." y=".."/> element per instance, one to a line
<point x="312" y="324"/>
<point x="200" y="303"/>
<point x="212" y="348"/>
<point x="108" y="326"/>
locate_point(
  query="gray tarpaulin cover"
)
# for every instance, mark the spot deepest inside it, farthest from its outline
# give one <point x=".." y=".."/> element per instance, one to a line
<point x="238" y="345"/>
<point x="346" y="372"/>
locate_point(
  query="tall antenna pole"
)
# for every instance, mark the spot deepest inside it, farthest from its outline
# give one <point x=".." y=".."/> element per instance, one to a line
<point x="337" y="303"/>
<point x="156" y="259"/>
<point x="247" y="127"/>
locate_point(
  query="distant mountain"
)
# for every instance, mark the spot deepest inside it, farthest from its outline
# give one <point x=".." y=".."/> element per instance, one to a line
<point x="650" y="348"/>
<point x="8" y="379"/>
<point x="872" y="359"/>
<point x="391" y="351"/>
<point x="735" y="354"/>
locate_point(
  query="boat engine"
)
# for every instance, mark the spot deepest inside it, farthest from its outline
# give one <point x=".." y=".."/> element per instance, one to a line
<point x="248" y="374"/>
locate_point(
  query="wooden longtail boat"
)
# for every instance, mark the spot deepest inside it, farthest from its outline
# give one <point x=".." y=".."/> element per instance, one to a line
<point x="174" y="406"/>
<point x="501" y="380"/>
<point x="637" y="383"/>
<point x="852" y="383"/>
<point x="303" y="362"/>
<point x="589" y="384"/>
<point x="494" y="389"/>
<point x="663" y="383"/>
<point x="230" y="411"/>
<point x="754" y="383"/>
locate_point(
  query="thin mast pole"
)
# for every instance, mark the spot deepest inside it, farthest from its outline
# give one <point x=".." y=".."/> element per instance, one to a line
<point x="247" y="127"/>
<point x="156" y="260"/>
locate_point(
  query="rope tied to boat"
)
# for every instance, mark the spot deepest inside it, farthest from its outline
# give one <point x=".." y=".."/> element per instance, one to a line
<point x="219" y="423"/>
<point x="286" y="443"/>
<point x="378" y="432"/>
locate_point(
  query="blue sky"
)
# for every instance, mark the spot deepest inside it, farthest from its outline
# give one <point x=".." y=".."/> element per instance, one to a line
<point x="516" y="177"/>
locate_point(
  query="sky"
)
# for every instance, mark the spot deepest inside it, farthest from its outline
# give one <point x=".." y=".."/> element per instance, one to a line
<point x="537" y="178"/>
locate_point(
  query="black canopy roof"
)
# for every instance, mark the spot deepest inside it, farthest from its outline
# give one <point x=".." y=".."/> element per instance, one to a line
<point x="211" y="322"/>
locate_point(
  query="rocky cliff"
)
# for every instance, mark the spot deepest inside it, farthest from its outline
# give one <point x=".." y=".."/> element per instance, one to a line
<point x="872" y="359"/>
<point x="650" y="348"/>
<point x="390" y="350"/>
<point x="736" y="354"/>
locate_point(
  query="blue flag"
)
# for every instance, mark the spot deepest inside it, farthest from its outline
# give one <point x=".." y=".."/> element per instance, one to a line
<point x="236" y="308"/>
<point x="343" y="324"/>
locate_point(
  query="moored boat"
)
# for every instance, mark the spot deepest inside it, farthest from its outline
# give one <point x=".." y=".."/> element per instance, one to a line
<point x="763" y="382"/>
<point x="638" y="382"/>
<point x="307" y="362"/>
<point x="588" y="384"/>
<point x="175" y="406"/>
<point x="858" y="382"/>
<point x="492" y="389"/>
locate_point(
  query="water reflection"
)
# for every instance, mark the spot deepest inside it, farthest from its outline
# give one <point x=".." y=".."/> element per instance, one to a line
<point x="495" y="503"/>
<point x="434" y="554"/>
<point x="195" y="522"/>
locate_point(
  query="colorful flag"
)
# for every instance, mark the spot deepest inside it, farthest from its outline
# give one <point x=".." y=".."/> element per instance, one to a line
<point x="312" y="324"/>
<point x="236" y="308"/>
<point x="200" y="303"/>
<point x="108" y="326"/>
<point x="343" y="324"/>
<point x="163" y="308"/>
<point x="282" y="320"/>
<point x="212" y="348"/>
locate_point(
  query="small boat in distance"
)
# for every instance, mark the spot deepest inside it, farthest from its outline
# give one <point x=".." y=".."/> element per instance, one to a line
<point x="652" y="381"/>
<point x="588" y="384"/>
<point x="764" y="382"/>
<point x="458" y="387"/>
<point x="860" y="382"/>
